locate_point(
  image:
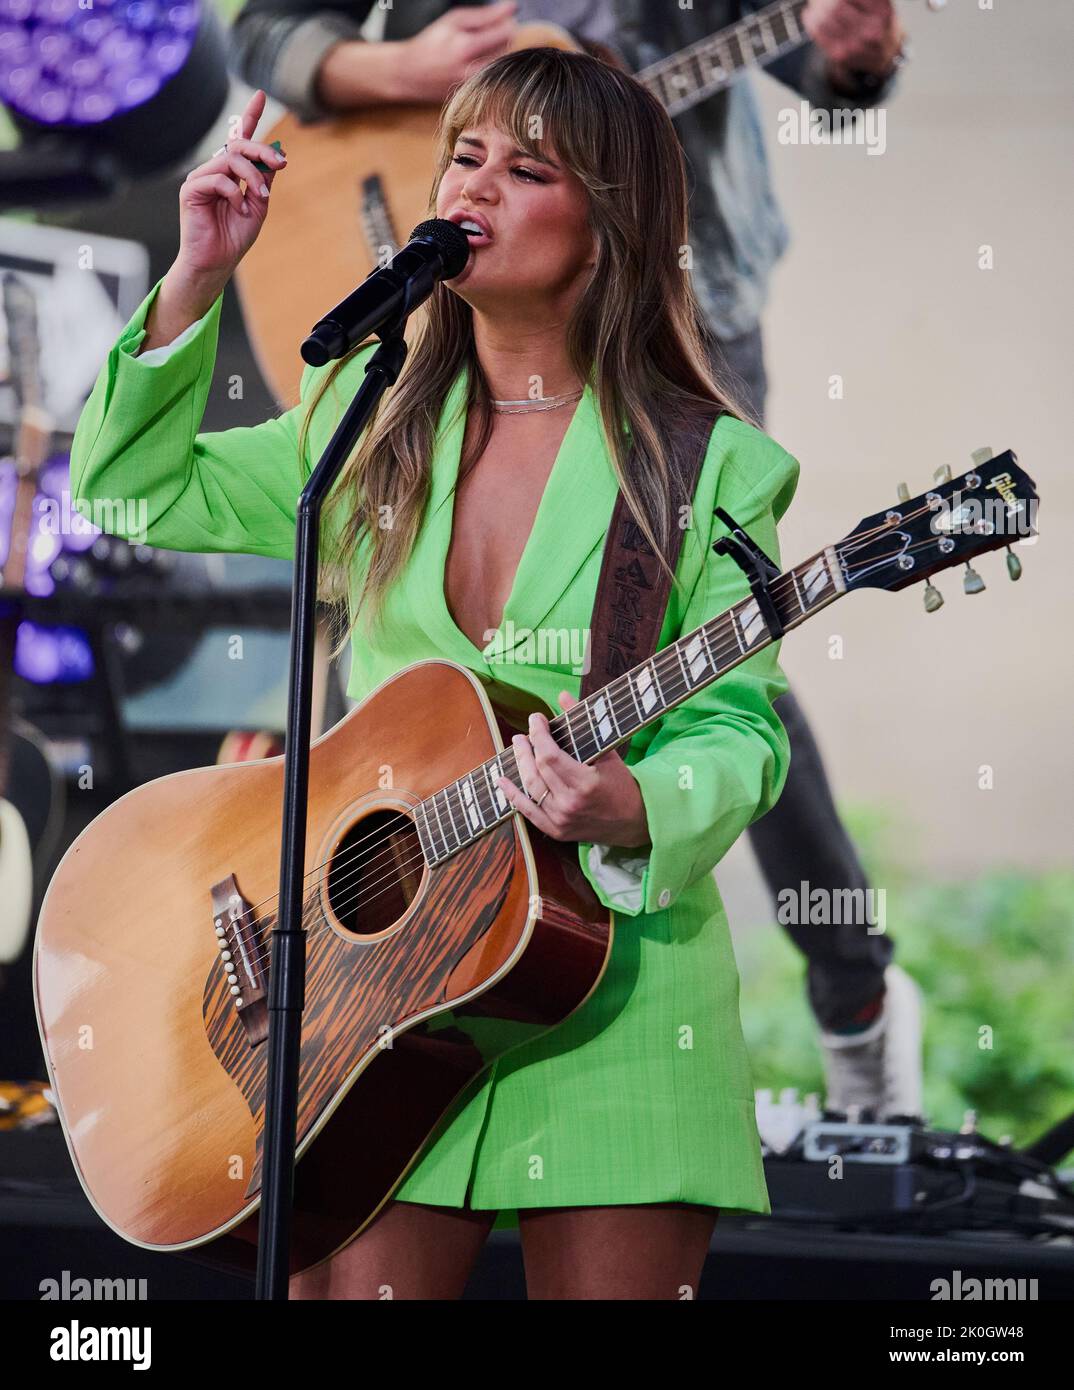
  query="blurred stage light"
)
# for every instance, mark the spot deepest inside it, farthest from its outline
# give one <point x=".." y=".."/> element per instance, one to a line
<point x="99" y="95"/>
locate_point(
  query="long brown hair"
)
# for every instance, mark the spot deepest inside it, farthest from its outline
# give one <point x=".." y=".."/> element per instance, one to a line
<point x="636" y="332"/>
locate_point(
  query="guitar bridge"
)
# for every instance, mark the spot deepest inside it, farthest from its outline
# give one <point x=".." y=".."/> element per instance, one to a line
<point x="242" y="956"/>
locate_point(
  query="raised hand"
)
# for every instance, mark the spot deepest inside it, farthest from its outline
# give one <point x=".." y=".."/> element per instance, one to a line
<point x="218" y="223"/>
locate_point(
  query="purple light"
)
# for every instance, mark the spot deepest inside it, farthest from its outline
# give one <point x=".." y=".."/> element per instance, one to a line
<point x="56" y="526"/>
<point x="60" y="64"/>
<point x="52" y="655"/>
<point x="47" y="654"/>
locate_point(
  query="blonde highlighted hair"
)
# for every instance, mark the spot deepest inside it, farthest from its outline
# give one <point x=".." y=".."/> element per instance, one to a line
<point x="636" y="332"/>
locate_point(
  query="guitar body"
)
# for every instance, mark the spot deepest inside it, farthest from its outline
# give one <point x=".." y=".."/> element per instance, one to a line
<point x="160" y="1075"/>
<point x="354" y="189"/>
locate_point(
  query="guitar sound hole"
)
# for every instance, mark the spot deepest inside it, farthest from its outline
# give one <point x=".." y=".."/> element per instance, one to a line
<point x="375" y="872"/>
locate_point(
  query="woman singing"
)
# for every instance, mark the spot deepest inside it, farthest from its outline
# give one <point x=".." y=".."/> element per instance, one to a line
<point x="556" y="369"/>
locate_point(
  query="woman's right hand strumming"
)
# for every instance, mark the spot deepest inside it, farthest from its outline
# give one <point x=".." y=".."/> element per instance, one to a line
<point x="217" y="226"/>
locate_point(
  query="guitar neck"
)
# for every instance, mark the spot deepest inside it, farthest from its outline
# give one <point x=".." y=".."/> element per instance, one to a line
<point x="461" y="812"/>
<point x="694" y="73"/>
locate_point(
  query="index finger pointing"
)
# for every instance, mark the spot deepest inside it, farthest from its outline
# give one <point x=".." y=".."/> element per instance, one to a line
<point x="255" y="109"/>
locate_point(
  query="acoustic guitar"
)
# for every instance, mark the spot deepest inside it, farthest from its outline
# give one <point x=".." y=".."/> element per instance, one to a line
<point x="356" y="184"/>
<point x="436" y="919"/>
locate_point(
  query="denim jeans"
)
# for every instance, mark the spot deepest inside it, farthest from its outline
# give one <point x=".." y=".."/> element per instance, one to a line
<point x="802" y="837"/>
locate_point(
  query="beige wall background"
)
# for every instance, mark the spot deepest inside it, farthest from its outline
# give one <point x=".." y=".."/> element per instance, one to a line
<point x="882" y="286"/>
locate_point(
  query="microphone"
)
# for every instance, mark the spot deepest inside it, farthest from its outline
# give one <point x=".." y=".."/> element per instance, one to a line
<point x="438" y="250"/>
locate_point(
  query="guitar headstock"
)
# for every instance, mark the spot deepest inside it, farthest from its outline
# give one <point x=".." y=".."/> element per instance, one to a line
<point x="992" y="505"/>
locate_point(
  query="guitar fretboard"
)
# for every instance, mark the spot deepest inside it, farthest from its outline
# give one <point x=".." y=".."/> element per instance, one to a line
<point x="461" y="812"/>
<point x="691" y="74"/>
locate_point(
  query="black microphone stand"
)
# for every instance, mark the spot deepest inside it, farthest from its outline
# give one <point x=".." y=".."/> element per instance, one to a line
<point x="288" y="978"/>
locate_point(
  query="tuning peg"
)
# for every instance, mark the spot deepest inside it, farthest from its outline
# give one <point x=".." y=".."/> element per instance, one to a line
<point x="981" y="456"/>
<point x="942" y="475"/>
<point x="933" y="597"/>
<point x="972" y="582"/>
<point x="904" y="493"/>
<point x="1014" y="565"/>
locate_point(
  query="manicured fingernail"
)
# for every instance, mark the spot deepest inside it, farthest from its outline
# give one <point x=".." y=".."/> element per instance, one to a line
<point x="264" y="190"/>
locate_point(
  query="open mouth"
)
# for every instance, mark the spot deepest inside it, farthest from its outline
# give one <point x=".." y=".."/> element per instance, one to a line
<point x="474" y="231"/>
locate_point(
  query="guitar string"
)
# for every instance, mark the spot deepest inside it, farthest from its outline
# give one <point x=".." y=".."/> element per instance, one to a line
<point x="508" y="753"/>
<point x="785" y="585"/>
<point x="380" y="853"/>
<point x="353" y="861"/>
<point x="309" y="901"/>
<point x="628" y="701"/>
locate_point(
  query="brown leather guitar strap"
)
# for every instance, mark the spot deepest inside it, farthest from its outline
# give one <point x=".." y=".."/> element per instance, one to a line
<point x="633" y="587"/>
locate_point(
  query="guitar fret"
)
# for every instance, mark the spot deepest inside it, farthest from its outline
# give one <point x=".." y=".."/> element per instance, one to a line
<point x="717" y="69"/>
<point x="816" y="579"/>
<point x="574" y="742"/>
<point x="606" y="726"/>
<point x="634" y="697"/>
<point x="470" y="804"/>
<point x="592" y="725"/>
<point x="445" y="793"/>
<point x="424" y="810"/>
<point x="753" y="626"/>
<point x="694" y="657"/>
<point x="704" y="631"/>
<point x="430" y="831"/>
<point x="798" y="592"/>
<point x="440" y="823"/>
<point x="673" y="674"/>
<point x="643" y="693"/>
<point x="484" y="795"/>
<point x="682" y="667"/>
<point x="499" y="801"/>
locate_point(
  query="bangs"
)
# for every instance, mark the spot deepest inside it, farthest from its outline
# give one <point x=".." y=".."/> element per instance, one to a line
<point x="526" y="108"/>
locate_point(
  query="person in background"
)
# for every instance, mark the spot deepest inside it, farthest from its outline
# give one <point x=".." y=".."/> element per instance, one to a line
<point x="318" y="58"/>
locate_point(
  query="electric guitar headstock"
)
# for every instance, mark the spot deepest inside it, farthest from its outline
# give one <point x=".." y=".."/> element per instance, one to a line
<point x="991" y="506"/>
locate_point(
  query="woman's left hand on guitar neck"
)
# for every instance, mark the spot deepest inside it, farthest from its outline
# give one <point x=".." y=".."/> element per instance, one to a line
<point x="597" y="802"/>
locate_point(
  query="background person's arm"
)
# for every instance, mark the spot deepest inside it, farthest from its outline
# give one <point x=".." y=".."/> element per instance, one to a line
<point x="311" y="56"/>
<point x="851" y="61"/>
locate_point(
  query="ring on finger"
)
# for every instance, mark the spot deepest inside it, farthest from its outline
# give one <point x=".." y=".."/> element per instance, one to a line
<point x="542" y="796"/>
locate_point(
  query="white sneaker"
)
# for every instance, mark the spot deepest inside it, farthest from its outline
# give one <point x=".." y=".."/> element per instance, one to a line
<point x="880" y="1067"/>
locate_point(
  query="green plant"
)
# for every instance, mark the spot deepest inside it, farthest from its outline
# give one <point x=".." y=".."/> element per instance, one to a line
<point x="994" y="957"/>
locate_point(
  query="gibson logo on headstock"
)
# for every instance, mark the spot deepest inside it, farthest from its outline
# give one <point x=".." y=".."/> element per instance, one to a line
<point x="1004" y="485"/>
<point x="984" y="516"/>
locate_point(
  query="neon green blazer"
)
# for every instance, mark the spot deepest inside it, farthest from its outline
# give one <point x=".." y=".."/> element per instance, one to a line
<point x="644" y="1094"/>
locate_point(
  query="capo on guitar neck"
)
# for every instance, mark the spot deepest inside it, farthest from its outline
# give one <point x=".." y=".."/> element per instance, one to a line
<point x="755" y="564"/>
